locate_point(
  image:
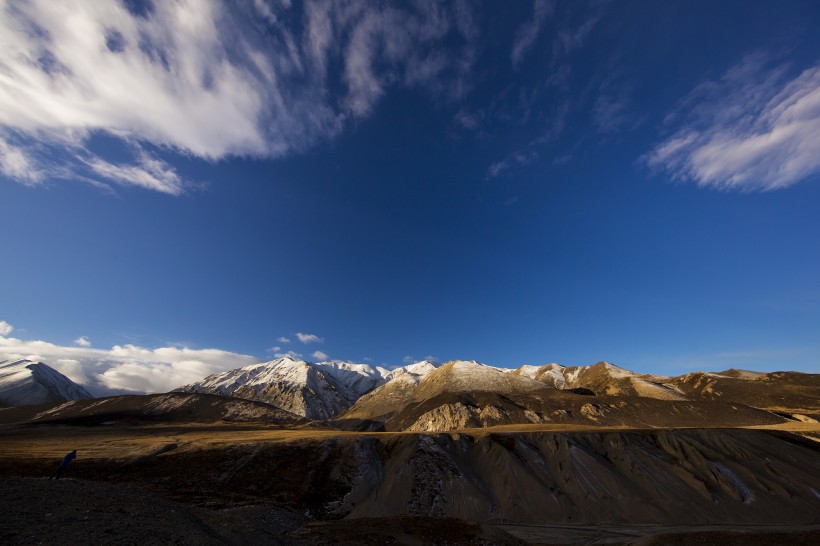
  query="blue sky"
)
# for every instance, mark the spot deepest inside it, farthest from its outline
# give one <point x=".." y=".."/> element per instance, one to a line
<point x="186" y="183"/>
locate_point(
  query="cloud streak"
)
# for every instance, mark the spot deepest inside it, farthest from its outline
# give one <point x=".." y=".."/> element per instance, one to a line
<point x="207" y="79"/>
<point x="757" y="128"/>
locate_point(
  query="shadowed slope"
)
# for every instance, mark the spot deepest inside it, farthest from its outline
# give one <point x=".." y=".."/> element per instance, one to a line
<point x="170" y="407"/>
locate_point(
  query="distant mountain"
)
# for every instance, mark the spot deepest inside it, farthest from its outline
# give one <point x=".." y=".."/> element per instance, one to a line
<point x="604" y="378"/>
<point x="24" y="382"/>
<point x="790" y="392"/>
<point x="314" y="390"/>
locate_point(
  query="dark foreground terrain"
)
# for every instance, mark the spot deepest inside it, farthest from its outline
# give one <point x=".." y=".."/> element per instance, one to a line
<point x="230" y="483"/>
<point x="69" y="511"/>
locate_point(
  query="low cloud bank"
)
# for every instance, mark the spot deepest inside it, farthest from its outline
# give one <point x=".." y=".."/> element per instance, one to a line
<point x="125" y="368"/>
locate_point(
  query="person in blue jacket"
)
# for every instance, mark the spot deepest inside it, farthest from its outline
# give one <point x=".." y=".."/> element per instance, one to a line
<point x="64" y="465"/>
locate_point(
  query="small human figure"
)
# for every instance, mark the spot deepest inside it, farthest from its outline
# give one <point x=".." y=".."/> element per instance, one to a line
<point x="64" y="465"/>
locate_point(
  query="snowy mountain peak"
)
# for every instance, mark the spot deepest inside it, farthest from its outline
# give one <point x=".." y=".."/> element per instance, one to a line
<point x="24" y="382"/>
<point x="319" y="390"/>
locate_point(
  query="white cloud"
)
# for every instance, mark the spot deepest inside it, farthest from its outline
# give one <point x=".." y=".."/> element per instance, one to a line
<point x="293" y="355"/>
<point x="5" y="328"/>
<point x="274" y="349"/>
<point x="309" y="338"/>
<point x="319" y="355"/>
<point x="15" y="163"/>
<point x="72" y="369"/>
<point x="408" y="359"/>
<point x="757" y="128"/>
<point x="528" y="32"/>
<point x="207" y="79"/>
<point x="126" y="367"/>
<point x="283" y="339"/>
<point x="82" y="341"/>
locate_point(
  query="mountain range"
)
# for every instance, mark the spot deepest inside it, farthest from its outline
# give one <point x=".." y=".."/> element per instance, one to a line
<point x="458" y="394"/>
<point x="531" y="450"/>
<point x="429" y="397"/>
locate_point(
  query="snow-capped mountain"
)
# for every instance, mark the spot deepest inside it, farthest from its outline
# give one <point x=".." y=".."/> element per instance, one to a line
<point x="395" y="394"/>
<point x="23" y="383"/>
<point x="427" y="396"/>
<point x="320" y="390"/>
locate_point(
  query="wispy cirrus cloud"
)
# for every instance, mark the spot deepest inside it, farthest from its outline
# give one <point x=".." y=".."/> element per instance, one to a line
<point x="572" y="36"/>
<point x="123" y="368"/>
<point x="207" y="79"/>
<point x="612" y="109"/>
<point x="757" y="128"/>
<point x="148" y="172"/>
<point x="515" y="159"/>
<point x="527" y="34"/>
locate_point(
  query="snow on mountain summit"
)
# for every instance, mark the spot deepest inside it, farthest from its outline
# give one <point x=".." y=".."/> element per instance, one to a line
<point x="320" y="390"/>
<point x="24" y="382"/>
